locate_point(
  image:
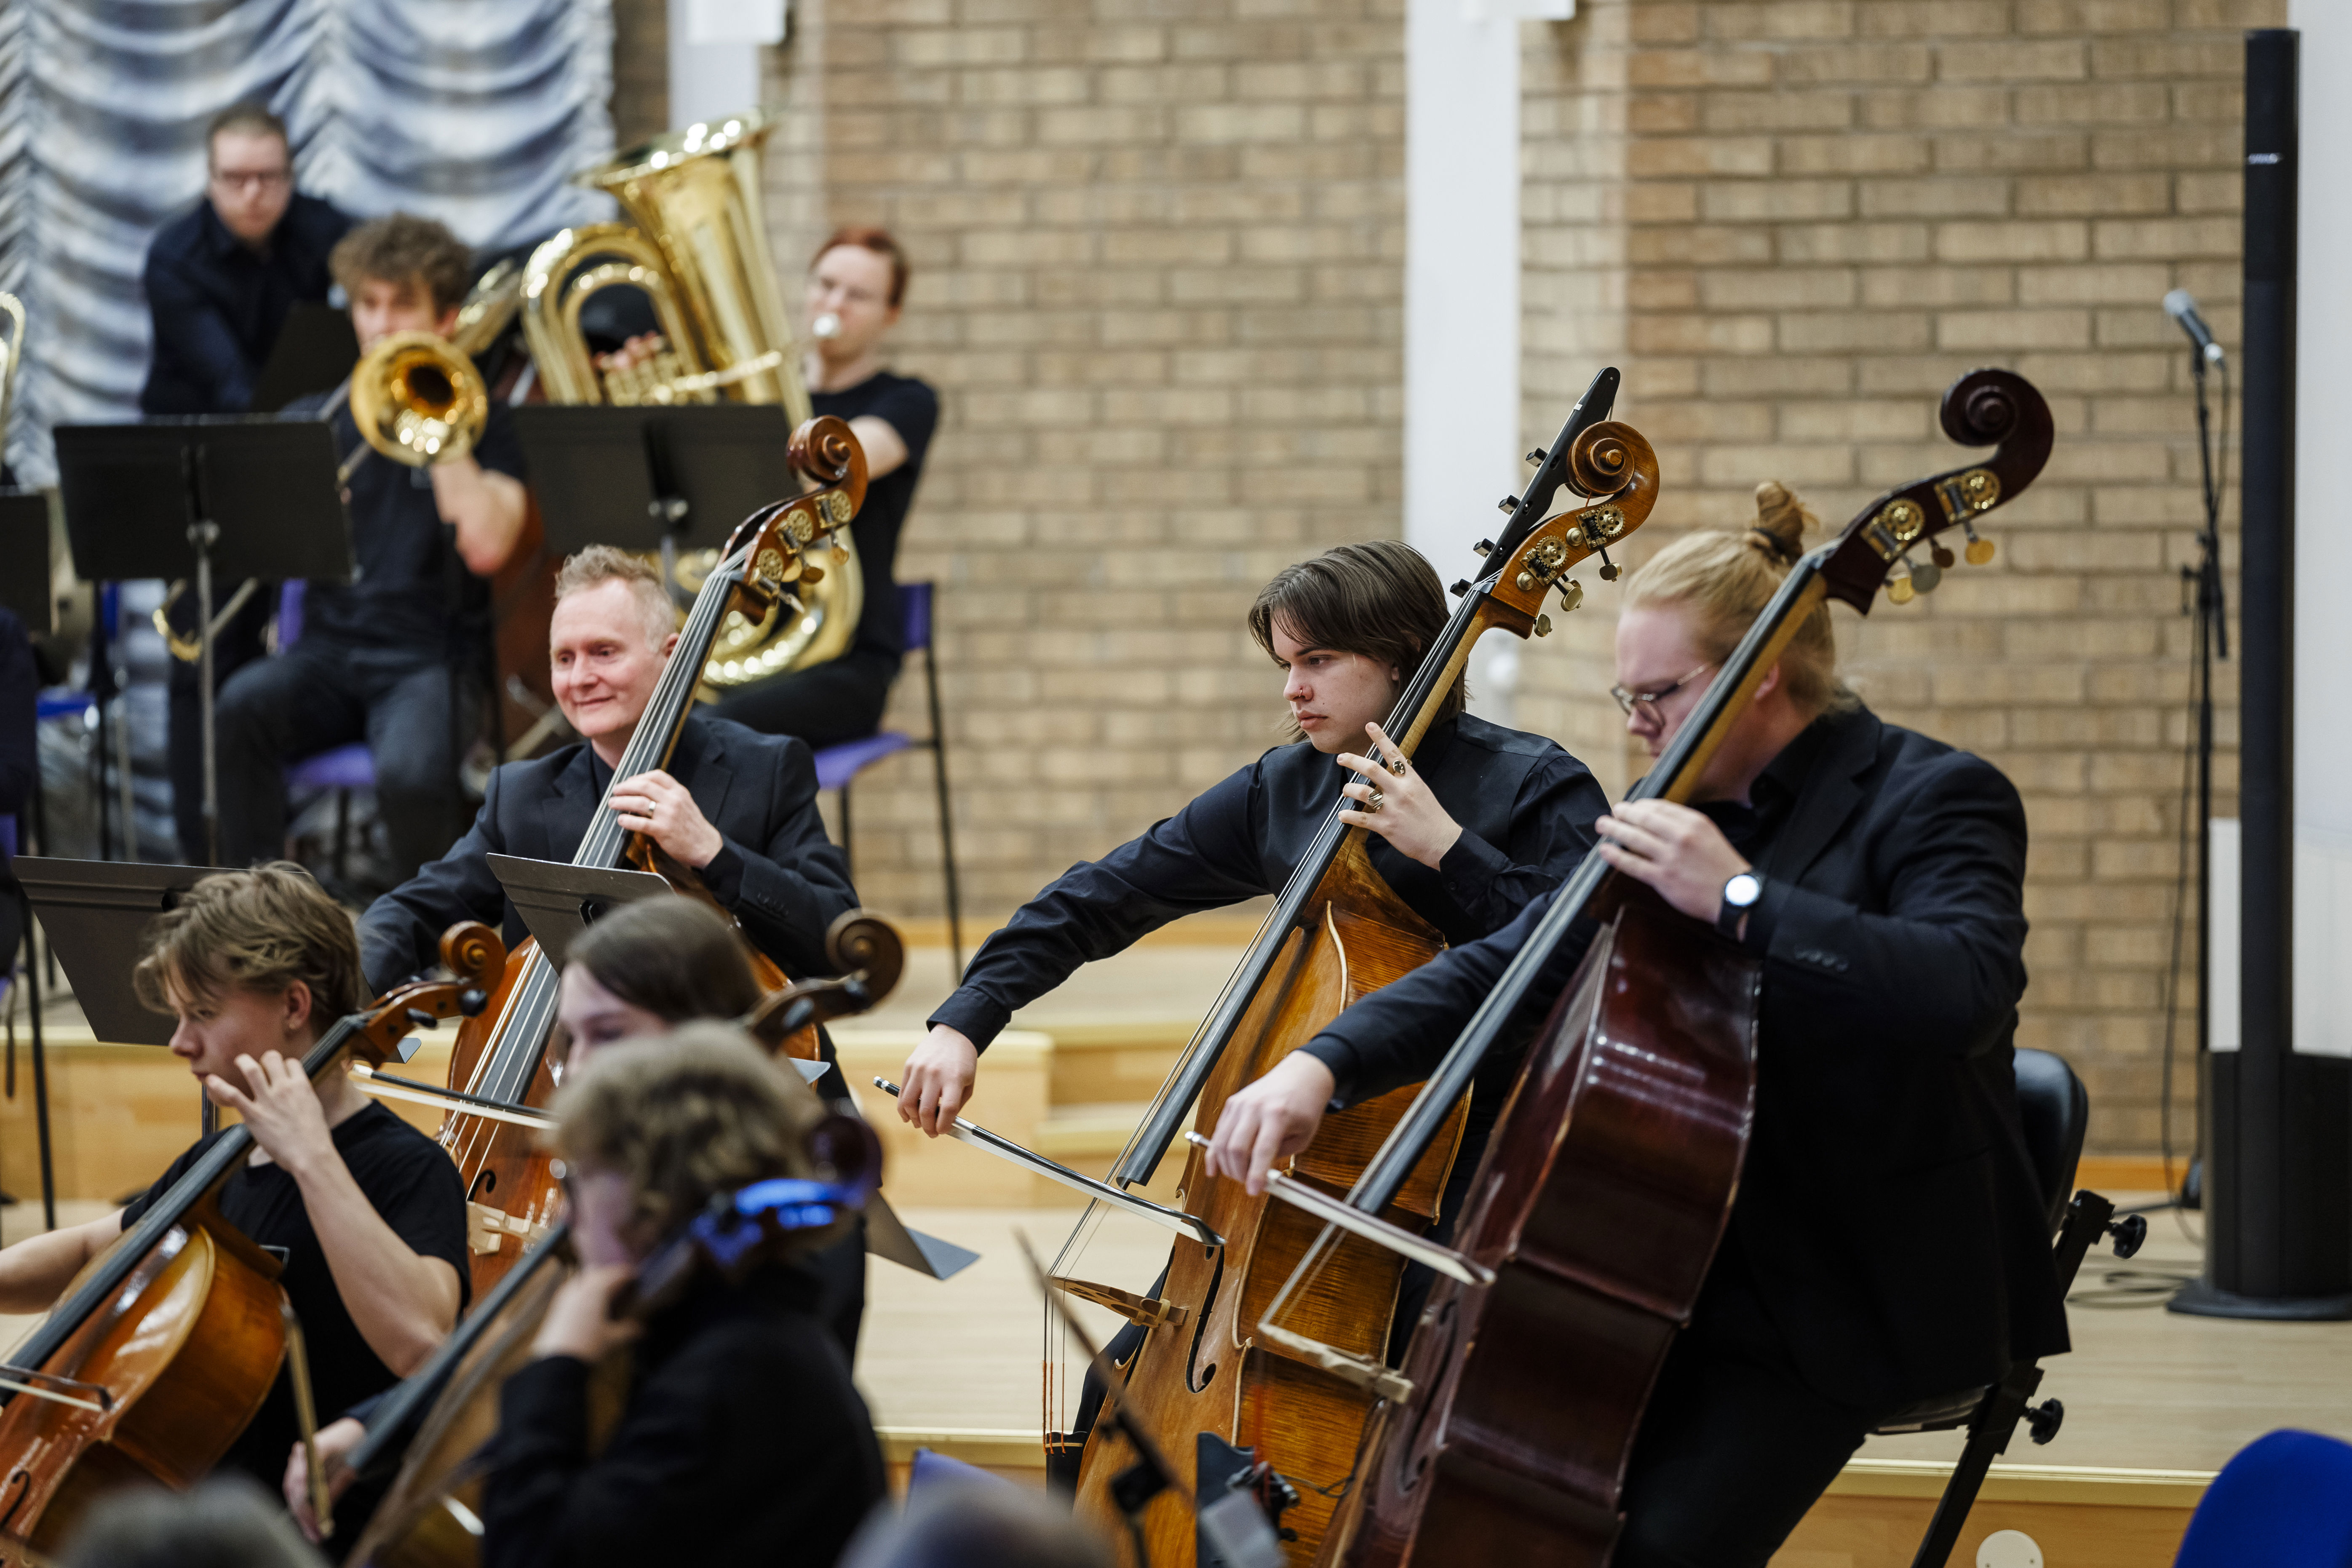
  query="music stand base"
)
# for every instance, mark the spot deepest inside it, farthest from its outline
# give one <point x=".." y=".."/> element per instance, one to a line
<point x="2203" y="1299"/>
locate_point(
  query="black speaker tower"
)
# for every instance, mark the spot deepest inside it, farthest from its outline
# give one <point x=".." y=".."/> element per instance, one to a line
<point x="2278" y="1171"/>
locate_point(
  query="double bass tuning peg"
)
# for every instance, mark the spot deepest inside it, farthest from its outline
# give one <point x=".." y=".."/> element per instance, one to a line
<point x="1979" y="551"/>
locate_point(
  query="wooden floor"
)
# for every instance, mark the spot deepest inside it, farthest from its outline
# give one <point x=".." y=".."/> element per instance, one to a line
<point x="2155" y="1402"/>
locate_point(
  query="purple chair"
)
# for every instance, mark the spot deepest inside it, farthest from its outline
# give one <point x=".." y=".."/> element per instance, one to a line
<point x="342" y="769"/>
<point x="838" y="766"/>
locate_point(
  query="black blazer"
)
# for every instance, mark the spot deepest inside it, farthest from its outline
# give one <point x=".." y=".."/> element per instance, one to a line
<point x="1887" y="1217"/>
<point x="779" y="873"/>
<point x="742" y="1441"/>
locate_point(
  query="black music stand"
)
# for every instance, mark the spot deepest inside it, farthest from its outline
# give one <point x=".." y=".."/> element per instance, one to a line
<point x="256" y="498"/>
<point x="316" y="349"/>
<point x="560" y="901"/>
<point x="95" y="914"/>
<point x="653" y="477"/>
<point x="557" y="901"/>
<point x="24" y="559"/>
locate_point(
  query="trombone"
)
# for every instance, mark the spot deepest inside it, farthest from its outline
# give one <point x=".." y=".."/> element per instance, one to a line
<point x="417" y="398"/>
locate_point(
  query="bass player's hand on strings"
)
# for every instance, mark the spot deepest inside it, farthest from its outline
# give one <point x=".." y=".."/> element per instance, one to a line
<point x="1271" y="1119"/>
<point x="1679" y="852"/>
<point x="1397" y="805"/>
<point x="661" y="808"/>
<point x="937" y="1080"/>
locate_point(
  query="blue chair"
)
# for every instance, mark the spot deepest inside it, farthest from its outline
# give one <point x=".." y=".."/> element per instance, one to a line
<point x="2283" y="1501"/>
<point x="341" y="768"/>
<point x="838" y="766"/>
<point x="932" y="1470"/>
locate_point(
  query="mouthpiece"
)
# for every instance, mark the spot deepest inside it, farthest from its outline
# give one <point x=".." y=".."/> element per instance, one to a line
<point x="827" y="325"/>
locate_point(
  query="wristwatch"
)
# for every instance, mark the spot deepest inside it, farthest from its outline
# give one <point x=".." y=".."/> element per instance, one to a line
<point x="1740" y="895"/>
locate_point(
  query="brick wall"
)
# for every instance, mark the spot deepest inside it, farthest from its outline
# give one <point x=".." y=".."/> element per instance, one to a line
<point x="1158" y="273"/>
<point x="1797" y="223"/>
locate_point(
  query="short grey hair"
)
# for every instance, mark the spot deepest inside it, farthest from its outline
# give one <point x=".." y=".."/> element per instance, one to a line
<point x="601" y="564"/>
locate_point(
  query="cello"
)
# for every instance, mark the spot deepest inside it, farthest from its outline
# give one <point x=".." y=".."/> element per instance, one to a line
<point x="1606" y="1186"/>
<point x="164" y="1347"/>
<point x="1201" y="1381"/>
<point x="501" y="1057"/>
<point x="429" y="1433"/>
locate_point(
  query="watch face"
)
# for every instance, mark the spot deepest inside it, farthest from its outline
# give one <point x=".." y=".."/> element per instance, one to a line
<point x="1742" y="890"/>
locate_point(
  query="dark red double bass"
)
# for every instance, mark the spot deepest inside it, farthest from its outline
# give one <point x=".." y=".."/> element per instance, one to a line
<point x="1607" y="1180"/>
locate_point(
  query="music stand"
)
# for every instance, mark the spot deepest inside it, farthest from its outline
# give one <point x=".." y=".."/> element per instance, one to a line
<point x="24" y="559"/>
<point x="315" y="350"/>
<point x="558" y="902"/>
<point x="95" y="914"/>
<point x="254" y="498"/>
<point x="653" y="477"/>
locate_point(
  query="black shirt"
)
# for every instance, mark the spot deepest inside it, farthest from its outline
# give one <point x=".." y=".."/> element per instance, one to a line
<point x="911" y="408"/>
<point x="742" y="1441"/>
<point x="411" y="1184"/>
<point x="1526" y="808"/>
<point x="218" y="304"/>
<point x="410" y="588"/>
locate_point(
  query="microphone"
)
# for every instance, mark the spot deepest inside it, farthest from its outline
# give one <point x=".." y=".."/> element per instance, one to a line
<point x="2181" y="306"/>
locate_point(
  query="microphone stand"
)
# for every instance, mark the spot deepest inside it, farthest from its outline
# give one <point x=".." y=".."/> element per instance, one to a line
<point x="2204" y="598"/>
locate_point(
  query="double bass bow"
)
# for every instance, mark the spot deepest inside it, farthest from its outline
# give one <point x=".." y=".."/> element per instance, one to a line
<point x="164" y="1348"/>
<point x="1203" y="1377"/>
<point x="1607" y="1183"/>
<point x="501" y="1057"/>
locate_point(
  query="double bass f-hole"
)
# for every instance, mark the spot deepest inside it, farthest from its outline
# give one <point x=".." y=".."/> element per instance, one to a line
<point x="1198" y="1377"/>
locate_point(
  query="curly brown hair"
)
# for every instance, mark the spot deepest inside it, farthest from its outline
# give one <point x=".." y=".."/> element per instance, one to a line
<point x="686" y="1117"/>
<point x="259" y="930"/>
<point x="402" y="247"/>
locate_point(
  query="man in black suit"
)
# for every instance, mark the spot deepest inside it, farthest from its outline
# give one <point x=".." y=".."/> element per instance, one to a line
<point x="221" y="277"/>
<point x="736" y="807"/>
<point x="1888" y="1243"/>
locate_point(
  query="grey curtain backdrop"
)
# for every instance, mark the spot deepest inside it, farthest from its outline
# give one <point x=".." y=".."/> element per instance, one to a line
<point x="473" y="111"/>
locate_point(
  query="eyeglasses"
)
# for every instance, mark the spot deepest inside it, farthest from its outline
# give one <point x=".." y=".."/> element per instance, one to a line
<point x="260" y="179"/>
<point x="1649" y="700"/>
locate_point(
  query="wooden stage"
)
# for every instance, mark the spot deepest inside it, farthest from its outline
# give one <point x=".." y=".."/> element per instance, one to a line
<point x="2155" y="1402"/>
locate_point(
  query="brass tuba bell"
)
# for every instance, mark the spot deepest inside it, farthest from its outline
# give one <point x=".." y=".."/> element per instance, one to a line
<point x="699" y="250"/>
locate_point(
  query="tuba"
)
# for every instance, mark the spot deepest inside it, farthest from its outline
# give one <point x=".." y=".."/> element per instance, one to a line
<point x="698" y="248"/>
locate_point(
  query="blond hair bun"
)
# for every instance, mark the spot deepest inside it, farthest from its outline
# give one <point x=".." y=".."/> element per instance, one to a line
<point x="1782" y="522"/>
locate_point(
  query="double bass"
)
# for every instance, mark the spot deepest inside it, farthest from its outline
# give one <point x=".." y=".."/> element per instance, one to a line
<point x="1607" y="1183"/>
<point x="1203" y="1383"/>
<point x="501" y="1057"/>
<point x="164" y="1347"/>
<point x="428" y="1435"/>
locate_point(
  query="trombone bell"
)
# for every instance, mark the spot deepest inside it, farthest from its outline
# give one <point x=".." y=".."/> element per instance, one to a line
<point x="419" y="400"/>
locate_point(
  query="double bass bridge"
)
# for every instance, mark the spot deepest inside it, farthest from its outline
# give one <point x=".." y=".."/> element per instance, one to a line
<point x="1147" y="1312"/>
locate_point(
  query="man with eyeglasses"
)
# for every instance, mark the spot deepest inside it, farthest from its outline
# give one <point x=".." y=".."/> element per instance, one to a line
<point x="221" y="279"/>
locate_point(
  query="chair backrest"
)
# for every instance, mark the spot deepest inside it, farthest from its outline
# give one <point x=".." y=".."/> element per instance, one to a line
<point x="2283" y="1501"/>
<point x="2055" y="1108"/>
<point x="915" y="610"/>
<point x="289" y="613"/>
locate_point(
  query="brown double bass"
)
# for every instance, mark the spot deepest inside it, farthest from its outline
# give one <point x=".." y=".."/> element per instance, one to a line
<point x="1607" y="1183"/>
<point x="1203" y="1376"/>
<point x="511" y="1198"/>
<point x="427" y="1436"/>
<point x="164" y="1347"/>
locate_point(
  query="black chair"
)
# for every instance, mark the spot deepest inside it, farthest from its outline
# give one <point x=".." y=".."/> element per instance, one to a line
<point x="2055" y="1110"/>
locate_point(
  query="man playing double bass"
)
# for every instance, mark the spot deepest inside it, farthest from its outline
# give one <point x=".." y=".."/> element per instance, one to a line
<point x="1888" y="1243"/>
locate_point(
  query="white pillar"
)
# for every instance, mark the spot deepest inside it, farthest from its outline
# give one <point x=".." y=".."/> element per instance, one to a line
<point x="1462" y="289"/>
<point x="2322" y="539"/>
<point x="714" y="56"/>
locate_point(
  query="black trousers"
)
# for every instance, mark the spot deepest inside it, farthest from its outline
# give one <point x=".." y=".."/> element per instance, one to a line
<point x="1733" y="1450"/>
<point x="411" y="712"/>
<point x="840" y="700"/>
